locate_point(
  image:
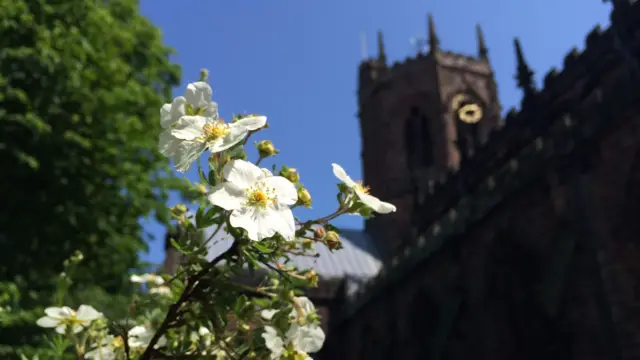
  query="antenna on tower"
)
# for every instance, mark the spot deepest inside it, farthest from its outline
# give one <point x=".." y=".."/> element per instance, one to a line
<point x="363" y="44"/>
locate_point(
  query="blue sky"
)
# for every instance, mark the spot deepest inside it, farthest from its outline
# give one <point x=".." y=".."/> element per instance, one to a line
<point x="296" y="62"/>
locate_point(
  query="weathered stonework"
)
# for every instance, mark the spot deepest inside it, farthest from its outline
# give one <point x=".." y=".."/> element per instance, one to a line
<point x="527" y="250"/>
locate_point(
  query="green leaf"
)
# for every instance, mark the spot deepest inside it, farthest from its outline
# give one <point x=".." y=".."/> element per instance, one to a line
<point x="200" y="218"/>
<point x="179" y="247"/>
<point x="262" y="247"/>
<point x="203" y="177"/>
<point x="212" y="178"/>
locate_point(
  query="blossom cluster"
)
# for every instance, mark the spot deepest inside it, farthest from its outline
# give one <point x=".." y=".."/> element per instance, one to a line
<point x="203" y="310"/>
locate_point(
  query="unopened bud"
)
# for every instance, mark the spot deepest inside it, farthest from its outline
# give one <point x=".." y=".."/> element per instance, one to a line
<point x="332" y="239"/>
<point x="319" y="233"/>
<point x="204" y="74"/>
<point x="179" y="210"/>
<point x="77" y="256"/>
<point x="304" y="197"/>
<point x="307" y="243"/>
<point x="266" y="148"/>
<point x="312" y="277"/>
<point x="293" y="175"/>
<point x="201" y="188"/>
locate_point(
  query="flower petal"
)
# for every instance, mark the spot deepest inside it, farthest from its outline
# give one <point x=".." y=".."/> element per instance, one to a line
<point x="198" y="94"/>
<point x="252" y="122"/>
<point x="47" y="322"/>
<point x="77" y="328"/>
<point x="101" y="353"/>
<point x="186" y="153"/>
<point x="61" y="329"/>
<point x="165" y="115"/>
<point x="189" y="127"/>
<point x="202" y="331"/>
<point x="308" y="339"/>
<point x="137" y="279"/>
<point x="339" y="172"/>
<point x="375" y="204"/>
<point x="273" y="342"/>
<point x="59" y="312"/>
<point x="242" y="173"/>
<point x="167" y="143"/>
<point x="170" y="113"/>
<point x="236" y="135"/>
<point x="267" y="314"/>
<point x="257" y="222"/>
<point x="227" y="196"/>
<point x="306" y="305"/>
<point x="283" y="222"/>
<point x="284" y="189"/>
<point x="211" y="110"/>
<point x="88" y="313"/>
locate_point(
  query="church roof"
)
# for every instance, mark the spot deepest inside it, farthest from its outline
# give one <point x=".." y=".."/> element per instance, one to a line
<point x="357" y="262"/>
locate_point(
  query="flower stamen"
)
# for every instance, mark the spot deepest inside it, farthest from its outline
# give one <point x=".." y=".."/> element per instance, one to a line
<point x="215" y="130"/>
<point x="260" y="196"/>
<point x="362" y="188"/>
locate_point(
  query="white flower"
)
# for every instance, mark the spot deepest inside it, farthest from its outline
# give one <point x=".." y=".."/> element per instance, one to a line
<point x="160" y="290"/>
<point x="107" y="351"/>
<point x="300" y="340"/>
<point x="303" y="337"/>
<point x="362" y="192"/>
<point x="140" y="337"/>
<point x="306" y="339"/>
<point x="192" y="135"/>
<point x="258" y="200"/>
<point x="302" y="308"/>
<point x="196" y="100"/>
<point x="147" y="278"/>
<point x="267" y="314"/>
<point x="192" y="126"/>
<point x="60" y="318"/>
<point x="202" y="333"/>
<point x="273" y="342"/>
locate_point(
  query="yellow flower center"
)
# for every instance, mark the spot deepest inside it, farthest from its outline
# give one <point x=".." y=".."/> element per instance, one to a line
<point x="117" y="342"/>
<point x="363" y="189"/>
<point x="259" y="196"/>
<point x="215" y="130"/>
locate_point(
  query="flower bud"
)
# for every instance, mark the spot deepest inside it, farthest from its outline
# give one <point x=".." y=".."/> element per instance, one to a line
<point x="319" y="233"/>
<point x="179" y="210"/>
<point x="312" y="277"/>
<point x="332" y="239"/>
<point x="307" y="243"/>
<point x="304" y="197"/>
<point x="266" y="148"/>
<point x="201" y="188"/>
<point x="290" y="174"/>
<point x="77" y="257"/>
<point x="204" y="74"/>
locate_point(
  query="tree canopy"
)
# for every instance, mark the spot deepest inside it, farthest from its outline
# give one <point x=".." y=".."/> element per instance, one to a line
<point x="81" y="82"/>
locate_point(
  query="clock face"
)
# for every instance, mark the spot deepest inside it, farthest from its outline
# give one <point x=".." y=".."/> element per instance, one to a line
<point x="466" y="109"/>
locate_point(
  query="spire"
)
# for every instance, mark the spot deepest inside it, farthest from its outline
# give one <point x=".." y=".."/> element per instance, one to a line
<point x="524" y="74"/>
<point x="434" y="43"/>
<point x="483" y="52"/>
<point x="382" y="56"/>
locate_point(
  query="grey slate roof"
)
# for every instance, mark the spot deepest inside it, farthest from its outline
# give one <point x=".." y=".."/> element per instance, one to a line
<point x="357" y="262"/>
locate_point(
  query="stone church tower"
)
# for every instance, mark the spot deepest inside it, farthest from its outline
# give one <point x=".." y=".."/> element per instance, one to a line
<point x="419" y="120"/>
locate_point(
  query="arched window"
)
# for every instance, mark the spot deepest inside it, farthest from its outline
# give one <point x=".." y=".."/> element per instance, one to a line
<point x="418" y="140"/>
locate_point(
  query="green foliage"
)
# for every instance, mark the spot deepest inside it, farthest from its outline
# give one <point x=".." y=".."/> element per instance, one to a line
<point x="81" y="83"/>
